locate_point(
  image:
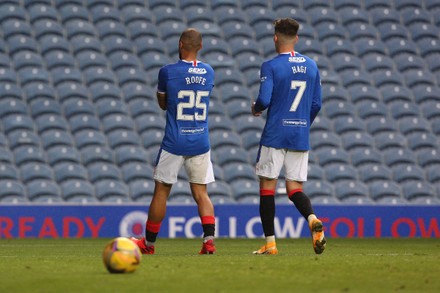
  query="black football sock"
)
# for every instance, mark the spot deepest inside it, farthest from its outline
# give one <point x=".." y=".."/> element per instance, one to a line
<point x="302" y="202"/>
<point x="267" y="211"/>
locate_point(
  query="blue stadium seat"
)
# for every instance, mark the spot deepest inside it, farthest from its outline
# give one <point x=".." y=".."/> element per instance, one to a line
<point x="229" y="14"/>
<point x="12" y="191"/>
<point x="316" y="4"/>
<point x="368" y="109"/>
<point x="69" y="171"/>
<point x="8" y="76"/>
<point x="42" y="190"/>
<point x="144" y="123"/>
<point x="50" y="122"/>
<point x="81" y="28"/>
<point x="33" y="75"/>
<point x="243" y="188"/>
<point x="85" y="138"/>
<point x="365" y="47"/>
<point x="35" y="171"/>
<point x="191" y="4"/>
<point x="390" y="31"/>
<point x="78" y="191"/>
<point x="141" y="190"/>
<point x="16" y="122"/>
<point x="23" y="137"/>
<point x="333" y="109"/>
<point x="96" y="154"/>
<point x="8" y="171"/>
<point x="393" y="93"/>
<point x="248" y="4"/>
<point x="390" y="140"/>
<point x="434" y="64"/>
<point x="62" y="154"/>
<point x="117" y="122"/>
<point x="413" y="191"/>
<point x="220" y="123"/>
<point x="340" y="46"/>
<point x="220" y="193"/>
<point x="110" y="27"/>
<point x="343" y="62"/>
<point x="353" y="15"/>
<point x="134" y="13"/>
<point x="84" y="122"/>
<point x="340" y="172"/>
<point x="362" y="93"/>
<point x="227" y="155"/>
<point x="123" y="59"/>
<point x="386" y="191"/>
<point x="334" y="92"/>
<point x="86" y="44"/>
<point x="307" y="47"/>
<point x="15" y="27"/>
<point x="405" y="173"/>
<point x="199" y="13"/>
<point x="357" y="139"/>
<point x="432" y="173"/>
<point x="69" y="94"/>
<point x="56" y="59"/>
<point x="248" y="123"/>
<point x="152" y="139"/>
<point x="325" y="140"/>
<point x="399" y="156"/>
<point x="5" y="154"/>
<point x="320" y="192"/>
<point x="387" y="77"/>
<point x="36" y="91"/>
<point x="75" y="107"/>
<point x="73" y="12"/>
<point x="47" y="27"/>
<point x="258" y="14"/>
<point x="181" y="189"/>
<point x="315" y="172"/>
<point x="321" y="124"/>
<point x="42" y="12"/>
<point x="374" y="172"/>
<point x="264" y="30"/>
<point x="354" y="191"/>
<point x="346" y="124"/>
<point x="383" y="124"/>
<point x="27" y="60"/>
<point x="233" y="29"/>
<point x="112" y="191"/>
<point x="331" y="31"/>
<point x="419" y="140"/>
<point x="49" y="43"/>
<point x="12" y="11"/>
<point x="147" y="44"/>
<point x="66" y="75"/>
<point x="327" y="157"/>
<point x="285" y="4"/>
<point x="408" y="125"/>
<point x="427" y="157"/>
<point x="168" y="14"/>
<point x="381" y="15"/>
<point x="87" y="59"/>
<point x="251" y="140"/>
<point x="107" y="106"/>
<point x="101" y="13"/>
<point x="113" y="43"/>
<point x="401" y="46"/>
<point x="419" y="77"/>
<point x="224" y="138"/>
<point x="118" y="138"/>
<point x="10" y="106"/>
<point x="130" y="154"/>
<point x="402" y="109"/>
<point x="51" y="138"/>
<point x="404" y="4"/>
<point x="5" y="61"/>
<point x="238" y="171"/>
<point x="162" y="3"/>
<point x="216" y="4"/>
<point x="421" y="31"/>
<point x="136" y="171"/>
<point x="128" y="75"/>
<point x="234" y="91"/>
<point x="102" y="171"/>
<point x="373" y="62"/>
<point x="424" y="93"/>
<point x="141" y="28"/>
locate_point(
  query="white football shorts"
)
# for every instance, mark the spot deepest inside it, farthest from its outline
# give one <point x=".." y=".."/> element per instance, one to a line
<point x="198" y="168"/>
<point x="271" y="160"/>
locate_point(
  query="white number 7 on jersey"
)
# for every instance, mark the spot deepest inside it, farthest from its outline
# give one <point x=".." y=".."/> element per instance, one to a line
<point x="301" y="85"/>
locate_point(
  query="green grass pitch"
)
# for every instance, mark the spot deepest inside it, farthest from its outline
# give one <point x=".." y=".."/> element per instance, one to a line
<point x="347" y="265"/>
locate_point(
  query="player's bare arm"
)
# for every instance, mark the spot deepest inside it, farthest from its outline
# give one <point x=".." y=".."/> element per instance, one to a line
<point x="162" y="100"/>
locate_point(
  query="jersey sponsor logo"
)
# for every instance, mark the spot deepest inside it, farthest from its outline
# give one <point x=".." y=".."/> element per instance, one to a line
<point x="295" y="122"/>
<point x="192" y="130"/>
<point x="196" y="70"/>
<point x="297" y="59"/>
<point x="263" y="78"/>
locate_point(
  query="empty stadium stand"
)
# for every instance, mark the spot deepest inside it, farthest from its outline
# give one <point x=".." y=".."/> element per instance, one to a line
<point x="79" y="120"/>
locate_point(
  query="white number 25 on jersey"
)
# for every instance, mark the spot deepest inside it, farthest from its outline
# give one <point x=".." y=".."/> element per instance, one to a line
<point x="301" y="86"/>
<point x="194" y="100"/>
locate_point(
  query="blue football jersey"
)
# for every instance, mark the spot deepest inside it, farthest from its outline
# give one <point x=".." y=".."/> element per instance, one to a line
<point x="290" y="88"/>
<point x="188" y="88"/>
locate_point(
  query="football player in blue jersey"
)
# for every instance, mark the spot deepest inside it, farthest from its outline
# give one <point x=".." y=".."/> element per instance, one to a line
<point x="290" y="90"/>
<point x="183" y="91"/>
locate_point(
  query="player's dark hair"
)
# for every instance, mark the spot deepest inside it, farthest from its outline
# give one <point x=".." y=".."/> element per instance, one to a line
<point x="286" y="26"/>
<point x="191" y="39"/>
